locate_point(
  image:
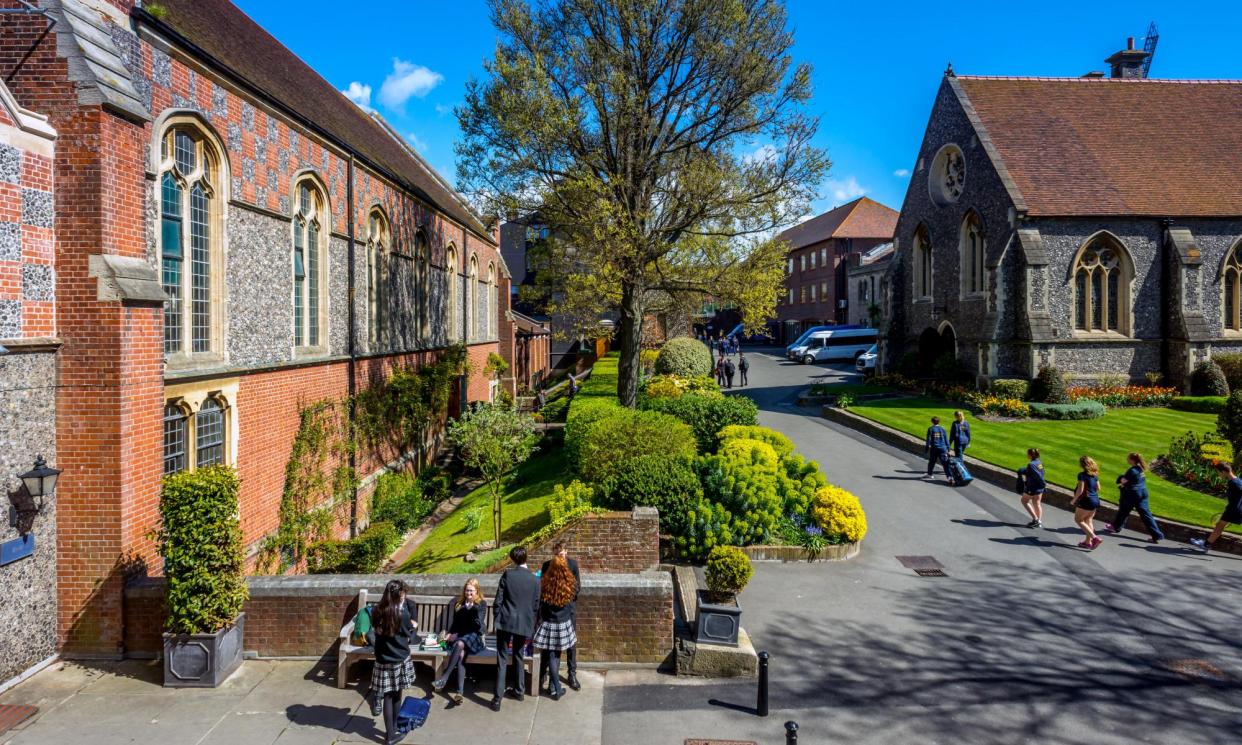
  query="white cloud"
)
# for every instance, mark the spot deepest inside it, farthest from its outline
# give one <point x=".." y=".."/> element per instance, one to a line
<point x="417" y="142"/>
<point x="360" y="94"/>
<point x="407" y="80"/>
<point x="901" y="172"/>
<point x="761" y="154"/>
<point x="845" y="191"/>
<point x="444" y="108"/>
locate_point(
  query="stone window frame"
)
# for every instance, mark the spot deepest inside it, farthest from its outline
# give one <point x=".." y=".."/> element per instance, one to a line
<point x="946" y="179"/>
<point x="921" y="262"/>
<point x="320" y="215"/>
<point x="1231" y="291"/>
<point x="972" y="284"/>
<point x="450" y="270"/>
<point x="379" y="245"/>
<point x="212" y="172"/>
<point x="801" y="262"/>
<point x="814" y="256"/>
<point x="189" y="398"/>
<point x="1123" y="270"/>
<point x="490" y="289"/>
<point x="422" y="251"/>
<point x="472" y="298"/>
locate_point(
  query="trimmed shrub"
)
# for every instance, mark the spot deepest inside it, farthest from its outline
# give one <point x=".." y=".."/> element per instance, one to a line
<point x="1200" y="404"/>
<point x="555" y="411"/>
<point x="675" y="386"/>
<point x="1010" y="407"/>
<point x="1048" y="387"/>
<point x="779" y="442"/>
<point x="566" y="499"/>
<point x="1126" y="395"/>
<point x="582" y="414"/>
<point x="1208" y="379"/>
<point x="399" y="500"/>
<point x="1009" y="388"/>
<point x="436" y="483"/>
<point x="684" y="356"/>
<point x="625" y="434"/>
<point x="706" y="415"/>
<point x="1229" y="423"/>
<point x="839" y="513"/>
<point x="200" y="540"/>
<point x="670" y="484"/>
<point x="363" y="554"/>
<point x="1231" y="365"/>
<point x="798" y="482"/>
<point x="728" y="571"/>
<point x="647" y="359"/>
<point x="1084" y="409"/>
<point x="744" y="479"/>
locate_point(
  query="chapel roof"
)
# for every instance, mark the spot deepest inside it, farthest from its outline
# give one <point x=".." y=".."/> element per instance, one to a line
<point x="1109" y="146"/>
<point x="230" y="38"/>
<point x="862" y="218"/>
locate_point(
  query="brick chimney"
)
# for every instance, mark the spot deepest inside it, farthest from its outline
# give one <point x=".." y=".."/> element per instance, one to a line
<point x="1128" y="63"/>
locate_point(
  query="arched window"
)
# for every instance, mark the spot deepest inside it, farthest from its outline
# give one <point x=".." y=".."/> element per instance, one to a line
<point x="489" y="303"/>
<point x="209" y="434"/>
<point x="472" y="295"/>
<point x="422" y="285"/>
<point x="189" y="238"/>
<point x="176" y="438"/>
<point x="310" y="241"/>
<point x="1101" y="283"/>
<point x="451" y="311"/>
<point x="1232" y="281"/>
<point x="379" y="241"/>
<point x="922" y="264"/>
<point x="972" y="254"/>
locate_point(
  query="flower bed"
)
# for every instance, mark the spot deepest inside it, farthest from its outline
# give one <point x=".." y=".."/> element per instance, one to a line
<point x="1191" y="462"/>
<point x="1124" y="395"/>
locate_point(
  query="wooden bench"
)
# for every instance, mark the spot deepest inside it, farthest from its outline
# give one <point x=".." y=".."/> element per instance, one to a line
<point x="432" y="615"/>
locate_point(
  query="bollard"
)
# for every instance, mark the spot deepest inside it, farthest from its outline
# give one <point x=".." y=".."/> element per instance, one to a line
<point x="761" y="705"/>
<point x="791" y="733"/>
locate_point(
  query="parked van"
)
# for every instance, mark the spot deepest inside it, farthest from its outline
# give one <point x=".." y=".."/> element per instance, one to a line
<point x="796" y="350"/>
<point x="838" y="344"/>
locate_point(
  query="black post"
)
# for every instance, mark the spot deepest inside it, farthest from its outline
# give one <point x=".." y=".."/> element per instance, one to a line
<point x="791" y="733"/>
<point x="761" y="706"/>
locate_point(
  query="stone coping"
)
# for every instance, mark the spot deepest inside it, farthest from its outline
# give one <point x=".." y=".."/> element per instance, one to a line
<point x="1055" y="496"/>
<point x="653" y="583"/>
<point x="838" y="552"/>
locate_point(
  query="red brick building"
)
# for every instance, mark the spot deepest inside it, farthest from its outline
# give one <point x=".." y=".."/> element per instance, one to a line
<point x="234" y="241"/>
<point x="815" y="291"/>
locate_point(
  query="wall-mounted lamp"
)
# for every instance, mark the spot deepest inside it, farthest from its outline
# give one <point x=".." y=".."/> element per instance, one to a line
<point x="27" y="500"/>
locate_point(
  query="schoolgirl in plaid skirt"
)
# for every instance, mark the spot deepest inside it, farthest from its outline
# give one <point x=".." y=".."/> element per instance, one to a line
<point x="392" y="628"/>
<point x="557" y="590"/>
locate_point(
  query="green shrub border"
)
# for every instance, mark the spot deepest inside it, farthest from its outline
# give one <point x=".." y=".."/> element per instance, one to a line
<point x="1080" y="410"/>
<point x="1199" y="404"/>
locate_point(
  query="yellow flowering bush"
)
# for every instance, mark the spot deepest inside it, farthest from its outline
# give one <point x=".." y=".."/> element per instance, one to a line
<point x="779" y="442"/>
<point x="997" y="406"/>
<point x="839" y="513"/>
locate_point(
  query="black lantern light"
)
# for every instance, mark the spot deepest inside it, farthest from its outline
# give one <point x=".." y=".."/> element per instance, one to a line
<point x="37" y="484"/>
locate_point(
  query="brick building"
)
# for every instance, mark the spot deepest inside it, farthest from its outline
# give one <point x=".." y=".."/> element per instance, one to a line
<point x="1088" y="223"/>
<point x="233" y="240"/>
<point x="866" y="284"/>
<point x="815" y="291"/>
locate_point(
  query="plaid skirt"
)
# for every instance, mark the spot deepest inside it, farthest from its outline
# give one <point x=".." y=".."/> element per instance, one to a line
<point x="389" y="678"/>
<point x="556" y="636"/>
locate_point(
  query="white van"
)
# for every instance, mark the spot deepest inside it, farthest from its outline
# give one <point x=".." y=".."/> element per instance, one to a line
<point x="841" y="344"/>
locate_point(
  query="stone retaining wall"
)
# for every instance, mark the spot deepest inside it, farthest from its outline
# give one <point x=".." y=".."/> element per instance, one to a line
<point x="622" y="618"/>
<point x="839" y="552"/>
<point x="622" y="542"/>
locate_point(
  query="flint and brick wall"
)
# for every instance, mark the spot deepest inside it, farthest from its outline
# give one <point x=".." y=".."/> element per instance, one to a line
<point x="622" y="618"/>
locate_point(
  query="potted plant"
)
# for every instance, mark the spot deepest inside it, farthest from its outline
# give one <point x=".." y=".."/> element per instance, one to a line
<point x="200" y="540"/>
<point x="719" y="616"/>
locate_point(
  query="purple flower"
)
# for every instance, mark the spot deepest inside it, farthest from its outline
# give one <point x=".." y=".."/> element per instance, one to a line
<point x="814" y="530"/>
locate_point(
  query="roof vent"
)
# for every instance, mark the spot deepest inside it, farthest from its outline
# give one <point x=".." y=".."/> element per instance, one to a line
<point x="1094" y="74"/>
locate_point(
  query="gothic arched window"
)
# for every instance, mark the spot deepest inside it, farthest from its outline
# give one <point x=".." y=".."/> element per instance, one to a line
<point x="1102" y="276"/>
<point x="310" y="241"/>
<point x="922" y="264"/>
<point x="451" y="311"/>
<point x="379" y="241"/>
<point x="972" y="255"/>
<point x="1231" y="279"/>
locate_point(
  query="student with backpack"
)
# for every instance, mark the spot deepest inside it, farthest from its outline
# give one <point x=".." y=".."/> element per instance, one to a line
<point x="467" y="620"/>
<point x="959" y="434"/>
<point x="1134" y="496"/>
<point x="729" y="371"/>
<point x="743" y="367"/>
<point x="1032" y="486"/>
<point x="1087" y="501"/>
<point x="392" y="628"/>
<point x="1233" y="508"/>
<point x="937" y="444"/>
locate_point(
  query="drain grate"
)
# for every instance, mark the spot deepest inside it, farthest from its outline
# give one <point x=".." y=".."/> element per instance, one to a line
<point x="930" y="572"/>
<point x="11" y="716"/>
<point x="920" y="562"/>
<point x="1195" y="669"/>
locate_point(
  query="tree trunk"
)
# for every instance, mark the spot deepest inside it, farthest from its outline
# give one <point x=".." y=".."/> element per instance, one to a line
<point x="496" y="498"/>
<point x="631" y="336"/>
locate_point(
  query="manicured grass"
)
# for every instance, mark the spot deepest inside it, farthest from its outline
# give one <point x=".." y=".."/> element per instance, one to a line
<point x="854" y="389"/>
<point x="524" y="511"/>
<point x="1108" y="440"/>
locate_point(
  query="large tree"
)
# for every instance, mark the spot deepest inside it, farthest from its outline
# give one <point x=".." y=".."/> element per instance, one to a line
<point x="664" y="142"/>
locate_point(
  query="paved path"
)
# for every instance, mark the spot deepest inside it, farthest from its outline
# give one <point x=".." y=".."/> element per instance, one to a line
<point x="1029" y="639"/>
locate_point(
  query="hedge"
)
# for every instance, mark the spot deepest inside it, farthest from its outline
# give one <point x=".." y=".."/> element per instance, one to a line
<point x="1231" y="365"/>
<point x="1010" y="388"/>
<point x="668" y="483"/>
<point x="364" y="554"/>
<point x="706" y="415"/>
<point x="1079" y="410"/>
<point x="1200" y="404"/>
<point x="622" y="434"/>
<point x="1210" y="379"/>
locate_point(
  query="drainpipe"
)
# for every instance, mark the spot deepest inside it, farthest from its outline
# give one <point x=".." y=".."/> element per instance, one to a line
<point x="351" y="432"/>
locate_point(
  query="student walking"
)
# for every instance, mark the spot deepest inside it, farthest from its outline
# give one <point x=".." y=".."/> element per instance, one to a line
<point x="720" y="381"/>
<point x="729" y="371"/>
<point x="1087" y="501"/>
<point x="1134" y="498"/>
<point x="517" y="604"/>
<point x="937" y="444"/>
<point x="1033" y="487"/>
<point x="743" y="367"/>
<point x="557" y="591"/>
<point x="467" y="620"/>
<point x="392" y="627"/>
<point x="959" y="434"/>
<point x="1233" y="507"/>
<point x="571" y="655"/>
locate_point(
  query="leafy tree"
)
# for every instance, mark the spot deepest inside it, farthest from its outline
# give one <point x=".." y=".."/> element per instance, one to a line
<point x="663" y="141"/>
<point x="494" y="439"/>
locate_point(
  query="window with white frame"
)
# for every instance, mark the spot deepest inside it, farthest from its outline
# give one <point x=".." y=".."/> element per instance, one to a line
<point x="309" y="258"/>
<point x="802" y="262"/>
<point x="379" y="240"/>
<point x="813" y="257"/>
<point x="812" y="292"/>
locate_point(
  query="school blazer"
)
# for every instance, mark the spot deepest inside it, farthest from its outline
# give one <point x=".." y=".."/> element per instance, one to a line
<point x="516" y="604"/>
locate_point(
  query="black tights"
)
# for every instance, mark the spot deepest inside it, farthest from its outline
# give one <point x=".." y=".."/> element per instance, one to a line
<point x="457" y="660"/>
<point x="392" y="702"/>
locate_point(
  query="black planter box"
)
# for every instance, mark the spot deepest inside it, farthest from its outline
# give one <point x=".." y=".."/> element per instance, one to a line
<point x="718" y="623"/>
<point x="203" y="660"/>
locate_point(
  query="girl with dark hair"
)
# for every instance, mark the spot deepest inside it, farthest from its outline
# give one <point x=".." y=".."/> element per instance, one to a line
<point x="1087" y="501"/>
<point x="557" y="591"/>
<point x="1134" y="496"/>
<point x="1034" y="487"/>
<point x="392" y="627"/>
<point x="467" y="621"/>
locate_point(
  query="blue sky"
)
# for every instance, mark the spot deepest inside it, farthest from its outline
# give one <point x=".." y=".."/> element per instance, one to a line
<point x="877" y="64"/>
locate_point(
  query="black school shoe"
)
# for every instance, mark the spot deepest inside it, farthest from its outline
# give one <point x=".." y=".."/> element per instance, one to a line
<point x="495" y="705"/>
<point x="573" y="682"/>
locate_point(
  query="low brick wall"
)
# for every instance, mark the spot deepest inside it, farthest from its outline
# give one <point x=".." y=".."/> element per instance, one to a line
<point x="1055" y="496"/>
<point x="620" y="542"/>
<point x="622" y="618"/>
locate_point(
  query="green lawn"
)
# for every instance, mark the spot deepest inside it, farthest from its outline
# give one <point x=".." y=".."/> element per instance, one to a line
<point x="1108" y="440"/>
<point x="524" y="512"/>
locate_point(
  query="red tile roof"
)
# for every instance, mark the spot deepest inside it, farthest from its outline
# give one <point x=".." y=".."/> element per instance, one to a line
<point x="1104" y="146"/>
<point x="861" y="218"/>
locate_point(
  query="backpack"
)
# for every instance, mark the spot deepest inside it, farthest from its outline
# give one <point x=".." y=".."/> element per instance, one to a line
<point x="362" y="627"/>
<point x="963" y="434"/>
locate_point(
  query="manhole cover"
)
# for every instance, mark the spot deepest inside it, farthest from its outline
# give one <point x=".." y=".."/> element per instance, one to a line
<point x="930" y="572"/>
<point x="920" y="562"/>
<point x="1193" y="669"/>
<point x="11" y="716"/>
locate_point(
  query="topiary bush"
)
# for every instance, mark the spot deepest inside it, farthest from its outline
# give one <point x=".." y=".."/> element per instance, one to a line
<point x="1200" y="404"/>
<point x="582" y="414"/>
<point x="1048" y="387"/>
<point x="200" y="540"/>
<point x="363" y="554"/>
<point x="779" y="442"/>
<point x="1229" y="424"/>
<point x="1009" y="388"/>
<point x="1208" y="379"/>
<point x="1080" y="410"/>
<point x="728" y="571"/>
<point x="668" y="483"/>
<point x="839" y="513"/>
<point x="706" y="415"/>
<point x="624" y="434"/>
<point x="1231" y="365"/>
<point x="684" y="356"/>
